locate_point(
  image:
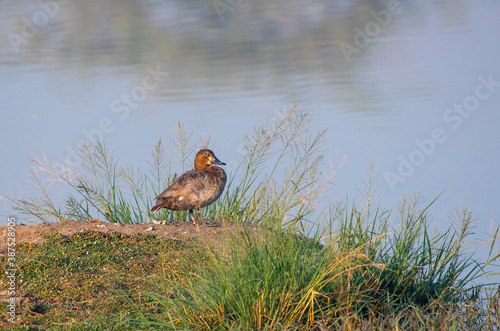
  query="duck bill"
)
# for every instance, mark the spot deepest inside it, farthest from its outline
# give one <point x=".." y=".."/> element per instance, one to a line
<point x="217" y="161"/>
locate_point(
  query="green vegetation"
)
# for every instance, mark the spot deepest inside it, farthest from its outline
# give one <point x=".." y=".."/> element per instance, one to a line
<point x="362" y="267"/>
<point x="93" y="281"/>
<point x="363" y="277"/>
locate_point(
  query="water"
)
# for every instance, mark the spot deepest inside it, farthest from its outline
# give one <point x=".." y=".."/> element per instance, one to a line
<point x="384" y="78"/>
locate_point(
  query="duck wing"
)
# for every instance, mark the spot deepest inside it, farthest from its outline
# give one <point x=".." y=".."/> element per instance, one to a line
<point x="185" y="184"/>
<point x="184" y="193"/>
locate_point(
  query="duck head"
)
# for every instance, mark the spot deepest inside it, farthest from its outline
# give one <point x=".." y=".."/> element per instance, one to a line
<point x="206" y="158"/>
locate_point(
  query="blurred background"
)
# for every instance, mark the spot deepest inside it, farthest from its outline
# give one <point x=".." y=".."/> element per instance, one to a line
<point x="412" y="87"/>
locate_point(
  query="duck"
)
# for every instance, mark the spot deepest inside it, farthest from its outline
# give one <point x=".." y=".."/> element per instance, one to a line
<point x="195" y="188"/>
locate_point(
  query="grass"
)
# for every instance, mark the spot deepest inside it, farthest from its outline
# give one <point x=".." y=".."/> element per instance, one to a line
<point x="362" y="267"/>
<point x="93" y="280"/>
<point x="363" y="277"/>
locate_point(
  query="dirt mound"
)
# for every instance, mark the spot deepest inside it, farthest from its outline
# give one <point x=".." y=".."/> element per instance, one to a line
<point x="208" y="232"/>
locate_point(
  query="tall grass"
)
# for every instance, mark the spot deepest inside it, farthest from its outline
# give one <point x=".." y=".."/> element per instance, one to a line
<point x="280" y="175"/>
<point x="368" y="271"/>
<point x="99" y="187"/>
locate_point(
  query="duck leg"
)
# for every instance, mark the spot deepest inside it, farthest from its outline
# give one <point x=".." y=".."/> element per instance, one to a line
<point x="194" y="216"/>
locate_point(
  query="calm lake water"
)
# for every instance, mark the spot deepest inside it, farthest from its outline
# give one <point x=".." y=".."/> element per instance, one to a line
<point x="412" y="87"/>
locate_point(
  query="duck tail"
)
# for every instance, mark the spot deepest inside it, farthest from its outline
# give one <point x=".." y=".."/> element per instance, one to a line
<point x="157" y="207"/>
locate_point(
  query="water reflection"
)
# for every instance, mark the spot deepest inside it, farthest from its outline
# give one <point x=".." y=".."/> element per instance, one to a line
<point x="253" y="43"/>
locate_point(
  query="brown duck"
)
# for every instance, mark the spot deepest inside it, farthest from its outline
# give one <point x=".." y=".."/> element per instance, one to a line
<point x="196" y="188"/>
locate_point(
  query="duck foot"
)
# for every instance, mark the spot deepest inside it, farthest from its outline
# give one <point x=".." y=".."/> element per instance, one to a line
<point x="196" y="219"/>
<point x="212" y="224"/>
<point x="209" y="223"/>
